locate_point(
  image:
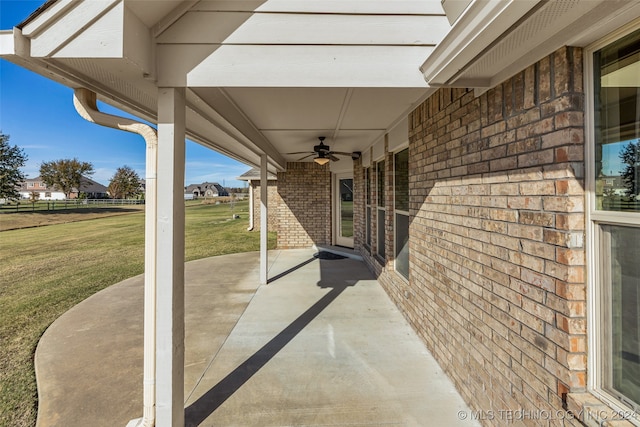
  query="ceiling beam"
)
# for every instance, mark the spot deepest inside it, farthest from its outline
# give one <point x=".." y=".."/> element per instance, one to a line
<point x="305" y="29"/>
<point x="311" y="66"/>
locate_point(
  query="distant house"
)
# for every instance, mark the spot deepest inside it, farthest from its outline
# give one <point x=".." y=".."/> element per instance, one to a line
<point x="91" y="188"/>
<point x="613" y="184"/>
<point x="206" y="189"/>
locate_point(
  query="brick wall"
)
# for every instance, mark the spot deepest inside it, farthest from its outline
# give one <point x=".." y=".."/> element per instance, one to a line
<point x="273" y="201"/>
<point x="497" y="280"/>
<point x="304" y="215"/>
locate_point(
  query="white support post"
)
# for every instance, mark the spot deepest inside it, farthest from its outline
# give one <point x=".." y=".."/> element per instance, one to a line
<point x="170" y="259"/>
<point x="263" y="219"/>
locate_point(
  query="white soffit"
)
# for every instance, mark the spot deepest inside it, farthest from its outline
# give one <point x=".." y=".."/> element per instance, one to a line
<point x="289" y="108"/>
<point x="369" y="108"/>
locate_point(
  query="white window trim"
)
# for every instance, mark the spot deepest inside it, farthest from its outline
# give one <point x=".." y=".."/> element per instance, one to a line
<point x="402" y="147"/>
<point x="379" y="209"/>
<point x="368" y="207"/>
<point x="594" y="218"/>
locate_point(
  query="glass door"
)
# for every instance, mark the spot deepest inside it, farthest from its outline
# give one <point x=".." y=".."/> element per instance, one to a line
<point x="344" y="210"/>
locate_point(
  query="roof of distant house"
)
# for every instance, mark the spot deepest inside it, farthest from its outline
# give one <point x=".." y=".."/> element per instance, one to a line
<point x="206" y="186"/>
<point x="88" y="185"/>
<point x="254" y="174"/>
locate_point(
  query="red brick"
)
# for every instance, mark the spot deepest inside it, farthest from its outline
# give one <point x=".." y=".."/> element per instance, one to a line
<point x="497" y="283"/>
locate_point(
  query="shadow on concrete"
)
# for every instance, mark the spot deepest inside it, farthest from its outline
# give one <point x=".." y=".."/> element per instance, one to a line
<point x="202" y="408"/>
<point x="289" y="271"/>
<point x="322" y="255"/>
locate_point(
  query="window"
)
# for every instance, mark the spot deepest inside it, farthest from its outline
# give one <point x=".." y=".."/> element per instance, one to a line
<point x="380" y="175"/>
<point x="31" y="184"/>
<point x="614" y="181"/>
<point x="367" y="191"/>
<point x="621" y="271"/>
<point x="617" y="124"/>
<point x="401" y="212"/>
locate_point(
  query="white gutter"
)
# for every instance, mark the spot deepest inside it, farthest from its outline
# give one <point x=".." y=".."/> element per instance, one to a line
<point x="476" y="29"/>
<point x="84" y="101"/>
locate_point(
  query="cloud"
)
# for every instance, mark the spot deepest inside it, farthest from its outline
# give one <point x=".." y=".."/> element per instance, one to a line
<point x="103" y="175"/>
<point x="35" y="147"/>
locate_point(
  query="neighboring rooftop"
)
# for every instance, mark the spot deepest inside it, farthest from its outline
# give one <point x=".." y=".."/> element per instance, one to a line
<point x="254" y="175"/>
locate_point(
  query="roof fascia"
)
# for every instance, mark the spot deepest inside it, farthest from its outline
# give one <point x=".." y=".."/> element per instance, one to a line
<point x="483" y="22"/>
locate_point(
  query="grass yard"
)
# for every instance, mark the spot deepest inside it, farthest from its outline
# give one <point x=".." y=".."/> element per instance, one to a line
<point x="47" y="270"/>
<point x="26" y="219"/>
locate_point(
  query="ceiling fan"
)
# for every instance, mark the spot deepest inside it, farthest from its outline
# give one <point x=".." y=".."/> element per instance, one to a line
<point x="324" y="153"/>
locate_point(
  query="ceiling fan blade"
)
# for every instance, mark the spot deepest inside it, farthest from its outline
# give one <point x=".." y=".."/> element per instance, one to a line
<point x="332" y="157"/>
<point x="302" y="152"/>
<point x="341" y="153"/>
<point x="305" y="157"/>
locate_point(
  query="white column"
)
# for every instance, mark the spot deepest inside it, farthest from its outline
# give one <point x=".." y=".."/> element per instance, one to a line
<point x="170" y="259"/>
<point x="264" y="183"/>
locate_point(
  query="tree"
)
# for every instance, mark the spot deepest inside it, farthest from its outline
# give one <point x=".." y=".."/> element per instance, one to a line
<point x="65" y="174"/>
<point x="630" y="156"/>
<point x="124" y="184"/>
<point x="12" y="159"/>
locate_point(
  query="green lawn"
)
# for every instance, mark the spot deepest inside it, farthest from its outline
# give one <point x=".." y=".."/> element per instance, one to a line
<point x="346" y="215"/>
<point x="47" y="270"/>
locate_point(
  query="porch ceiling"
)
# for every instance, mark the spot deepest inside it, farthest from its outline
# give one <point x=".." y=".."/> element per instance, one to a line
<point x="261" y="76"/>
<point x="271" y="76"/>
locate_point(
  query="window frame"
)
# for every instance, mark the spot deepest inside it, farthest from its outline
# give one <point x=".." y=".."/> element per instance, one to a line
<point x="368" y="196"/>
<point x="399" y="212"/>
<point x="594" y="220"/>
<point x="381" y="210"/>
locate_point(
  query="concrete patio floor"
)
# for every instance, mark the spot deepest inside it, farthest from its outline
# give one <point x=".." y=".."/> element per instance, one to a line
<point x="322" y="344"/>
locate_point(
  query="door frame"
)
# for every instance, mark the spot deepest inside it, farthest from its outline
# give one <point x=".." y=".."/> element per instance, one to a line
<point x="338" y="239"/>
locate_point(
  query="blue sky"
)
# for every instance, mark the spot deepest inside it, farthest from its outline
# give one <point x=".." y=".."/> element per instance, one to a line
<point x="39" y="117"/>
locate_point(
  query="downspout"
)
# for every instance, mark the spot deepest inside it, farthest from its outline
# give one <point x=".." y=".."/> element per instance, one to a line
<point x="85" y="103"/>
<point x="250" y="228"/>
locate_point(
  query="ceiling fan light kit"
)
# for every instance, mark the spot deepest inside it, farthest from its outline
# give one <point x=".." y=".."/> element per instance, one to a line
<point x="321" y="160"/>
<point x="324" y="153"/>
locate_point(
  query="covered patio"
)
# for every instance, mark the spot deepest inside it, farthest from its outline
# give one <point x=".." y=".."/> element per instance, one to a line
<point x="465" y="132"/>
<point x="318" y="346"/>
